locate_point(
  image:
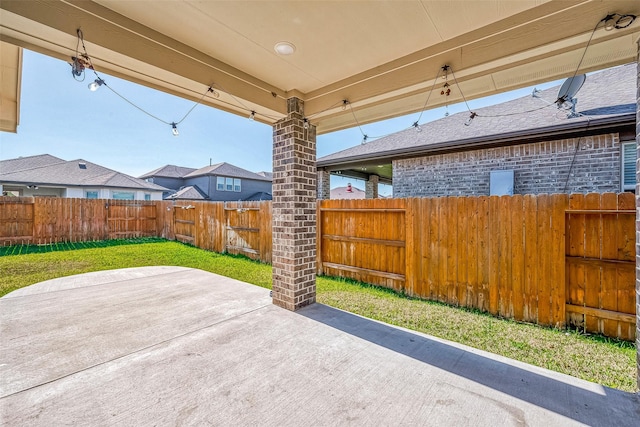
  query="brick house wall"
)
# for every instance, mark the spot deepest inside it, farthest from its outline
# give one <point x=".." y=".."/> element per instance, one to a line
<point x="540" y="167"/>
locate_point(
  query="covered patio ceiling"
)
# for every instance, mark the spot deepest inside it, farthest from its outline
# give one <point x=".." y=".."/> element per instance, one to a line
<point x="381" y="56"/>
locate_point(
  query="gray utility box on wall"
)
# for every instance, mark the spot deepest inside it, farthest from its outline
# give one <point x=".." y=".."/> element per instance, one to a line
<point x="501" y="183"/>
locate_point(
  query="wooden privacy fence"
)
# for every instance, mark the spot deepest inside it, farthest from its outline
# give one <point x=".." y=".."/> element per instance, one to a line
<point x="232" y="227"/>
<point x="504" y="255"/>
<point x="601" y="263"/>
<point x="546" y="259"/>
<point x="40" y="220"/>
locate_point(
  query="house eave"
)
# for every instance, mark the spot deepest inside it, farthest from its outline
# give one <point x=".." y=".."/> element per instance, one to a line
<point x="565" y="130"/>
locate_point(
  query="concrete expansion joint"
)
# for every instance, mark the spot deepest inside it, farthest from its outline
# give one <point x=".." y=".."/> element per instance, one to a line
<point x="138" y="350"/>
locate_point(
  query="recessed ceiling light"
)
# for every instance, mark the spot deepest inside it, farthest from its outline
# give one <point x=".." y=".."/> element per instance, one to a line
<point x="284" y="48"/>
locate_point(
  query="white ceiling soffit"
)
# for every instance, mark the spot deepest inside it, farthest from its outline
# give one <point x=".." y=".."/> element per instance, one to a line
<point x="382" y="56"/>
<point x="10" y="77"/>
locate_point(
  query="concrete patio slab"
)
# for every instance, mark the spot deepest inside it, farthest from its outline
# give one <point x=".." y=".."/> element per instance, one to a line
<point x="177" y="346"/>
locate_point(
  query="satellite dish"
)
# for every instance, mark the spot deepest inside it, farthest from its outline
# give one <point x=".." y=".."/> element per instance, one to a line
<point x="569" y="88"/>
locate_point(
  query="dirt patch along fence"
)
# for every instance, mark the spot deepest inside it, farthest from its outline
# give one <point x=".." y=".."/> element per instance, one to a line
<point x="547" y="259"/>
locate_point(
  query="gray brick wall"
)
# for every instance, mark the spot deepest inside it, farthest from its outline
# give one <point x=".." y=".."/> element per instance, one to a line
<point x="538" y="168"/>
<point x="371" y="187"/>
<point x="324" y="185"/>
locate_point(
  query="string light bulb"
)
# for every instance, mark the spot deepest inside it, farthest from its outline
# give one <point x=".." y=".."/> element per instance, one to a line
<point x="174" y="129"/>
<point x="213" y="92"/>
<point x="305" y="123"/>
<point x="417" y="126"/>
<point x="344" y="104"/>
<point x="95" y="85"/>
<point x="252" y="116"/>
<point x="470" y="119"/>
<point x="364" y="139"/>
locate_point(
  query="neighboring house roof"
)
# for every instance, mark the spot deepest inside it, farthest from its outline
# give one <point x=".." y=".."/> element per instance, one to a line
<point x="607" y="98"/>
<point x="191" y="192"/>
<point x="256" y="197"/>
<point x="266" y="174"/>
<point x="226" y="169"/>
<point x="168" y="171"/>
<point x="347" y="193"/>
<point x="30" y="162"/>
<point x="49" y="170"/>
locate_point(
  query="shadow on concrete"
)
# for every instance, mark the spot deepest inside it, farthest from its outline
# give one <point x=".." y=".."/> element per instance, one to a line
<point x="576" y="399"/>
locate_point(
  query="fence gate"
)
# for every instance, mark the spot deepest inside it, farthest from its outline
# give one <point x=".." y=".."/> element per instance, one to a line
<point x="246" y="226"/>
<point x="127" y="219"/>
<point x="184" y="218"/>
<point x="600" y="264"/>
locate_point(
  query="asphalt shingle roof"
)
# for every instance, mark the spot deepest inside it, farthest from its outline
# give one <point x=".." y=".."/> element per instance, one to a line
<point x="608" y="93"/>
<point x="226" y="169"/>
<point x="191" y="192"/>
<point x="49" y="170"/>
<point x="169" y="171"/>
<point x="30" y="162"/>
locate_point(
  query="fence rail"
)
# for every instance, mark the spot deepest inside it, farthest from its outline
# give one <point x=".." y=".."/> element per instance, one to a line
<point x="546" y="259"/>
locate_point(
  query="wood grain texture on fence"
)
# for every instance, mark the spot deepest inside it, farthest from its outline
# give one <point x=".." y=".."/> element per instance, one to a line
<point x="247" y="227"/>
<point x="363" y="240"/>
<point x="16" y="220"/>
<point x="600" y="263"/>
<point x="498" y="254"/>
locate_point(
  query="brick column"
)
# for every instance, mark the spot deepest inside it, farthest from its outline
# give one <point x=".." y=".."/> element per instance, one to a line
<point x="324" y="185"/>
<point x="638" y="221"/>
<point x="294" y="210"/>
<point x="371" y="187"/>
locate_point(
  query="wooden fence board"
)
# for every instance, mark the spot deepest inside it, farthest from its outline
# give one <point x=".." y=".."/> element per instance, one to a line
<point x="558" y="266"/>
<point x="472" y="253"/>
<point x="484" y="252"/>
<point x="504" y="255"/>
<point x="609" y="273"/>
<point x="544" y="270"/>
<point x="592" y="272"/>
<point x="516" y="300"/>
<point x="494" y="254"/>
<point x="461" y="282"/>
<point x="530" y="299"/>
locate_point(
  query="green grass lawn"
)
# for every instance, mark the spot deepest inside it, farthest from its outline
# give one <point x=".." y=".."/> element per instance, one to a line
<point x="602" y="360"/>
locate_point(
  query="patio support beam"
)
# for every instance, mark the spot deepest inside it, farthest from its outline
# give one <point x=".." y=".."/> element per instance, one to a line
<point x="294" y="209"/>
<point x="371" y="187"/>
<point x="638" y="219"/>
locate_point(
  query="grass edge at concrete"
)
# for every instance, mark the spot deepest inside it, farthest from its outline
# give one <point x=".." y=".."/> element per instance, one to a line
<point x="599" y="359"/>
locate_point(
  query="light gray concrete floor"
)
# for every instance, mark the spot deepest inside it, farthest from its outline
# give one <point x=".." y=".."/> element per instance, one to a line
<point x="165" y="346"/>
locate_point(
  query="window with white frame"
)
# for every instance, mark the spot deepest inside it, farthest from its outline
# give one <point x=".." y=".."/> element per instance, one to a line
<point x="224" y="183"/>
<point x="628" y="166"/>
<point x="91" y="194"/>
<point x="147" y="196"/>
<point x="123" y="195"/>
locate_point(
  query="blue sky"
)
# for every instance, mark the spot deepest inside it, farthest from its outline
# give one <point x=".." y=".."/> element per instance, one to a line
<point x="61" y="117"/>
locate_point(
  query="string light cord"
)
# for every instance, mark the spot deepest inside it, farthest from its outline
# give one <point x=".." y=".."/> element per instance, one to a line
<point x="424" y="107"/>
<point x="364" y="135"/>
<point x="244" y="106"/>
<point x="584" y="52"/>
<point x="460" y="89"/>
<point x="124" y="98"/>
<point x="515" y="113"/>
<point x="575" y="154"/>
